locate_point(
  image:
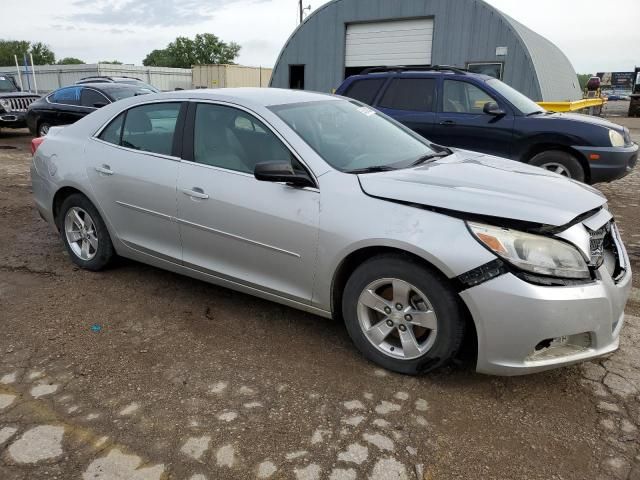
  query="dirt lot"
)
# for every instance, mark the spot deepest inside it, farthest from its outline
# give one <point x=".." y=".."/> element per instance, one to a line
<point x="136" y="373"/>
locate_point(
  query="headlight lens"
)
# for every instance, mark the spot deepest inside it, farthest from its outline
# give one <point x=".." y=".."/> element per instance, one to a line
<point x="533" y="253"/>
<point x="617" y="140"/>
<point x="6" y="104"/>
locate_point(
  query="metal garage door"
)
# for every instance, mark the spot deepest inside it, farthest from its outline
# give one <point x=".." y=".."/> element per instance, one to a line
<point x="400" y="42"/>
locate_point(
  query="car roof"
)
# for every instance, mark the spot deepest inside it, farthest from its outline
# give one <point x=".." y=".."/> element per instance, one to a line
<point x="264" y="97"/>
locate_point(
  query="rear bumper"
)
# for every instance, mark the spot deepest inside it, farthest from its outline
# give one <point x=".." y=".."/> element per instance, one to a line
<point x="512" y="317"/>
<point x="614" y="162"/>
<point x="13" y="120"/>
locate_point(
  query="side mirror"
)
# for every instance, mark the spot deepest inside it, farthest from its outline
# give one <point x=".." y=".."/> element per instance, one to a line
<point x="492" y="108"/>
<point x="100" y="104"/>
<point x="281" y="172"/>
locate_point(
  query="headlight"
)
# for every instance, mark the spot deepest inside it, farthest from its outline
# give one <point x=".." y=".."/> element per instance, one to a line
<point x="6" y="104"/>
<point x="617" y="140"/>
<point x="533" y="253"/>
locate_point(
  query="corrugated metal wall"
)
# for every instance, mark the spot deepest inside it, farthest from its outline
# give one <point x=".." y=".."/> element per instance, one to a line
<point x="51" y="77"/>
<point x="464" y="31"/>
<point x="221" y="76"/>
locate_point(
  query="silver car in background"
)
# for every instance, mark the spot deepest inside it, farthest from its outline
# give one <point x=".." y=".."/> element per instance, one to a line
<point x="326" y="205"/>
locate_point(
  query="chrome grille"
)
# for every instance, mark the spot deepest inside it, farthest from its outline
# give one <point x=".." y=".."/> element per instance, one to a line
<point x="596" y="245"/>
<point x="20" y="104"/>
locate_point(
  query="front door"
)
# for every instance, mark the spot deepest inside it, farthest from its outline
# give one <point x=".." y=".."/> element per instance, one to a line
<point x="462" y="123"/>
<point x="259" y="234"/>
<point x="133" y="174"/>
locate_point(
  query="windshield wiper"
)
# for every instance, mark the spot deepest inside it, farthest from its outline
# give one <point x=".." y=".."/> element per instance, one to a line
<point x="430" y="156"/>
<point x="375" y="169"/>
<point x="537" y="112"/>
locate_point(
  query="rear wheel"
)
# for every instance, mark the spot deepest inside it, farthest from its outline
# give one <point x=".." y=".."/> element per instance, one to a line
<point x="402" y="316"/>
<point x="560" y="162"/>
<point x="84" y="233"/>
<point x="43" y="129"/>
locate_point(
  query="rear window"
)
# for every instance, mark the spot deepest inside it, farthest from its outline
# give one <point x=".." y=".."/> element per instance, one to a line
<point x="365" y="90"/>
<point x="415" y="94"/>
<point x="67" y="96"/>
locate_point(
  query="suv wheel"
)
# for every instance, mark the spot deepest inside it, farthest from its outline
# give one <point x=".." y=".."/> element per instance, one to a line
<point x="402" y="316"/>
<point x="84" y="234"/>
<point x="559" y="162"/>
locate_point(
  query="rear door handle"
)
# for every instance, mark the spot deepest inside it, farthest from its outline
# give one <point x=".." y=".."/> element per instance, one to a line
<point x="104" y="169"/>
<point x="195" y="192"/>
<point x="448" y="122"/>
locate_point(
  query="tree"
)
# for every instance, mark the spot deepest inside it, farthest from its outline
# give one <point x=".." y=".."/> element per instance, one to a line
<point x="70" y="61"/>
<point x="183" y="52"/>
<point x="111" y="62"/>
<point x="583" y="78"/>
<point x="42" y="54"/>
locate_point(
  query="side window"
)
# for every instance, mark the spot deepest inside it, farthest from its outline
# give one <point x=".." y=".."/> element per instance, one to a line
<point x="67" y="96"/>
<point x="90" y="97"/>
<point x="151" y="128"/>
<point x="463" y="97"/>
<point x="229" y="138"/>
<point x="113" y="132"/>
<point x="365" y="90"/>
<point x="415" y="94"/>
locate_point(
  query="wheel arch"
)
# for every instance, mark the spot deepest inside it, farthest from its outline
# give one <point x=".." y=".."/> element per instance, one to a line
<point x="355" y="258"/>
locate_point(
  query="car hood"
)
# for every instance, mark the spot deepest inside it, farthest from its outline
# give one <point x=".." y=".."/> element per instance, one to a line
<point x="484" y="185"/>
<point x="578" y="117"/>
<point x="17" y="94"/>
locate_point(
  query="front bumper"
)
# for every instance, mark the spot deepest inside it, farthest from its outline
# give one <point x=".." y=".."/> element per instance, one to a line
<point x="614" y="162"/>
<point x="512" y="317"/>
<point x="13" y="119"/>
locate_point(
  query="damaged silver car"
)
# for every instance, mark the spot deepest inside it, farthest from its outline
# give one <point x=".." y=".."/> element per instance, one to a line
<point x="326" y="205"/>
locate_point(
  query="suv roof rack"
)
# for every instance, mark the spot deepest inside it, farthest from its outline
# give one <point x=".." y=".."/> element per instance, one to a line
<point x="106" y="77"/>
<point x="423" y="68"/>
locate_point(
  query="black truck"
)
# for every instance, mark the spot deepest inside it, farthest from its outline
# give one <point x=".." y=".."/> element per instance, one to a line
<point x="13" y="103"/>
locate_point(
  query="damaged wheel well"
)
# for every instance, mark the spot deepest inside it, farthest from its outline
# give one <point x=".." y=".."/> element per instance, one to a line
<point x="468" y="350"/>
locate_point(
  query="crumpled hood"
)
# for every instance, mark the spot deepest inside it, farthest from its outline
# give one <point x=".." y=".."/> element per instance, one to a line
<point x="480" y="184"/>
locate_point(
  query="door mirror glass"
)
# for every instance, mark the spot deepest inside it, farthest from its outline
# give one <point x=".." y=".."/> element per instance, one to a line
<point x="281" y="172"/>
<point x="492" y="108"/>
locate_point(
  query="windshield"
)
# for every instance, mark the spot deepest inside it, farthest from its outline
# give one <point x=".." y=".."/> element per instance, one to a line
<point x="351" y="136"/>
<point x="518" y="100"/>
<point x="126" y="92"/>
<point x="7" y="85"/>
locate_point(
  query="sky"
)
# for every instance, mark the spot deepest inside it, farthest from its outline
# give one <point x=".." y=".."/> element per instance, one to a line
<point x="593" y="35"/>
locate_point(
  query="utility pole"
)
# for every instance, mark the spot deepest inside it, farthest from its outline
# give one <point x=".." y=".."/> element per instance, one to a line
<point x="302" y="9"/>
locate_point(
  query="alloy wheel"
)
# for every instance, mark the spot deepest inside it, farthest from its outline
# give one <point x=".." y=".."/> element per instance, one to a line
<point x="557" y="168"/>
<point x="80" y="231"/>
<point x="397" y="318"/>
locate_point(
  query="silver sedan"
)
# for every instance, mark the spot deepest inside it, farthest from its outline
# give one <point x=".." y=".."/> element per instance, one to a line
<point x="326" y="205"/>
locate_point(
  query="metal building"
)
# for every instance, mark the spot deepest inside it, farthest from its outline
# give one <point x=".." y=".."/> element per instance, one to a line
<point x="343" y="37"/>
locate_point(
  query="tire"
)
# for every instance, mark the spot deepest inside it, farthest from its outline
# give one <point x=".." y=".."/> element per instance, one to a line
<point x="559" y="162"/>
<point x="43" y="129"/>
<point x="436" y="347"/>
<point x="76" y="210"/>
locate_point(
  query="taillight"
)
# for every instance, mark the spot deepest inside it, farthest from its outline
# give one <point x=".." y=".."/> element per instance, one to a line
<point x="35" y="143"/>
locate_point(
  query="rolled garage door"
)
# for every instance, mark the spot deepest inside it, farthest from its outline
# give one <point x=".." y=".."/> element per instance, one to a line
<point x="398" y="42"/>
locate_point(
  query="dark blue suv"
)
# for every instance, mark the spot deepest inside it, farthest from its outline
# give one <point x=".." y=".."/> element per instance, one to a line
<point x="452" y="107"/>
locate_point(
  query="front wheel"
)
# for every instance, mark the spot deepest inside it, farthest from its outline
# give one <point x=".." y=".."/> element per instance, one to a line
<point x="402" y="315"/>
<point x="559" y="162"/>
<point x="43" y="129"/>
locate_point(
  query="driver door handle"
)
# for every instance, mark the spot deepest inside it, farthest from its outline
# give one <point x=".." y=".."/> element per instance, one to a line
<point x="195" y="192"/>
<point x="448" y="122"/>
<point x="104" y="169"/>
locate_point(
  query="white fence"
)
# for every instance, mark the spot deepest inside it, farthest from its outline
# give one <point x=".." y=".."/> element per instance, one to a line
<point x="51" y="77"/>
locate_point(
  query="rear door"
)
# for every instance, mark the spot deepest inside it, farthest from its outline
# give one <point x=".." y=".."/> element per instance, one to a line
<point x="412" y="101"/>
<point x="133" y="168"/>
<point x="258" y="234"/>
<point x="68" y="106"/>
<point x="461" y="121"/>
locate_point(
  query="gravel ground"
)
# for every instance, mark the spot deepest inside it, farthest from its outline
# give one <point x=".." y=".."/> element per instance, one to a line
<point x="137" y="373"/>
